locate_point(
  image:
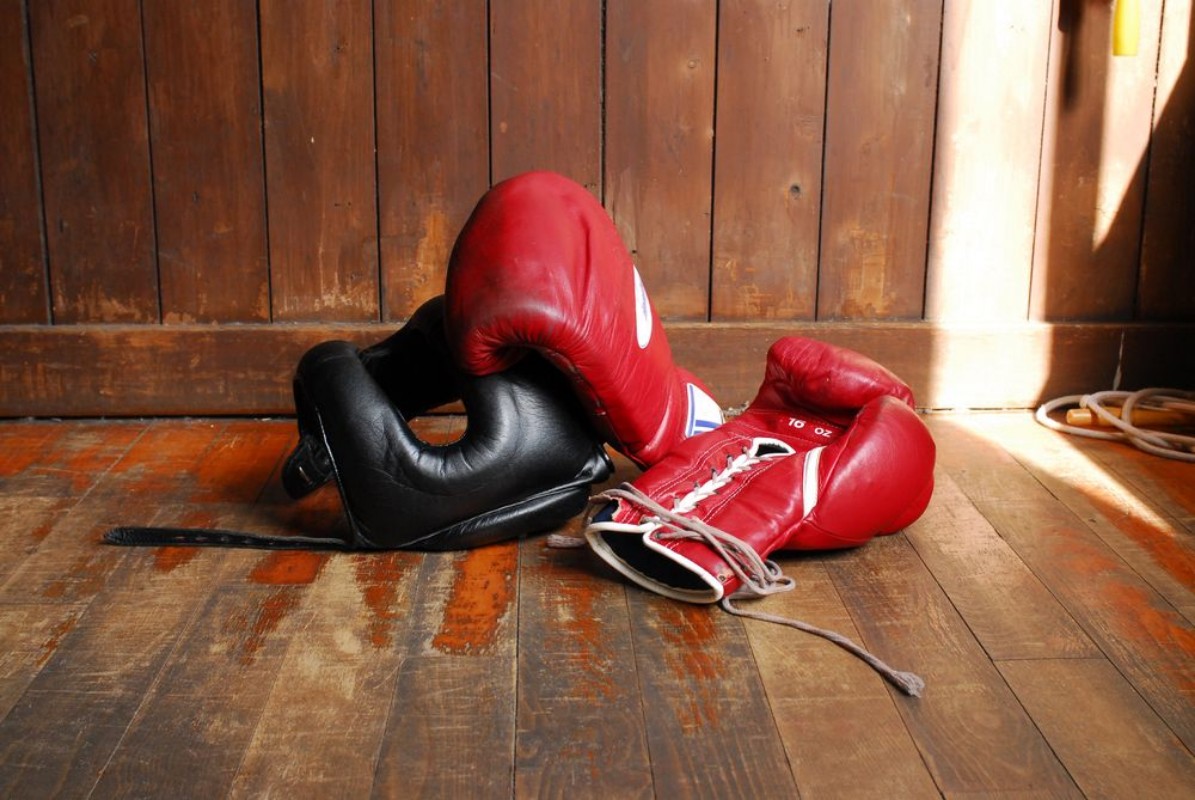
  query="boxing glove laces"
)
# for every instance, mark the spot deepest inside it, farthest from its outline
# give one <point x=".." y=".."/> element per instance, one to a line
<point x="829" y="454"/>
<point x="540" y="267"/>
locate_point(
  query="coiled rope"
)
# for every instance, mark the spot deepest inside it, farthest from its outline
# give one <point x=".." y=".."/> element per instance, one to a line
<point x="1176" y="406"/>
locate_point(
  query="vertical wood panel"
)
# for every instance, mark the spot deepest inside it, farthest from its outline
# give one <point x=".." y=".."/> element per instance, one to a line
<point x="317" y="73"/>
<point x="22" y="260"/>
<point x="433" y="139"/>
<point x="1167" y="280"/>
<point x="90" y="87"/>
<point x="1091" y="190"/>
<point x="546" y="88"/>
<point x="879" y="146"/>
<point x="209" y="184"/>
<point x="768" y="158"/>
<point x="986" y="158"/>
<point x="660" y="64"/>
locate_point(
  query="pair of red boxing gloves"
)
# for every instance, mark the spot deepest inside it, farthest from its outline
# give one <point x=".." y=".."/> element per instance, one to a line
<point x="829" y="454"/>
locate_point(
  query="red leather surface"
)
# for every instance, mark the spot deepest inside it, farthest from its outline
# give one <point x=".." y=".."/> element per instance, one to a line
<point x="539" y="265"/>
<point x="874" y="476"/>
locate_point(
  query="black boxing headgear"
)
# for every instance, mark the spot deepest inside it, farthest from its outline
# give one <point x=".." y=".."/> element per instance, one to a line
<point x="523" y="465"/>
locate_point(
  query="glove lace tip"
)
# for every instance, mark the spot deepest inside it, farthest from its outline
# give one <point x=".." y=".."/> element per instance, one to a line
<point x="909" y="683"/>
<point x="758" y="577"/>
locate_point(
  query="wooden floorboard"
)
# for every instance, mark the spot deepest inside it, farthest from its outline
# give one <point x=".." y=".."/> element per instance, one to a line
<point x="580" y="727"/>
<point x="1046" y="597"/>
<point x="1142" y="634"/>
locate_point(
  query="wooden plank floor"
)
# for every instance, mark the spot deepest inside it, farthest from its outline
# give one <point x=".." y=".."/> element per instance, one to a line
<point x="1046" y="597"/>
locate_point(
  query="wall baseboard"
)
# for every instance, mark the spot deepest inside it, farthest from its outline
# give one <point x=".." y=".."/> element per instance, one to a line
<point x="199" y="370"/>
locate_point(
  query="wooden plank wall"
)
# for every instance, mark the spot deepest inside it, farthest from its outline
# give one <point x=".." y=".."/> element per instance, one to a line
<point x="231" y="180"/>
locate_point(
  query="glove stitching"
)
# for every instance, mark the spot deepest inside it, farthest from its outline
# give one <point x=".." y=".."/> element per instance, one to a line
<point x="670" y="487"/>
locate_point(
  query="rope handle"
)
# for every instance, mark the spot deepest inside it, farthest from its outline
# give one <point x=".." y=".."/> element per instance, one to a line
<point x="1121" y="425"/>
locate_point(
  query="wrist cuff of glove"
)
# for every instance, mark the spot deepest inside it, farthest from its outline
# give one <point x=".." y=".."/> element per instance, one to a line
<point x="635" y="553"/>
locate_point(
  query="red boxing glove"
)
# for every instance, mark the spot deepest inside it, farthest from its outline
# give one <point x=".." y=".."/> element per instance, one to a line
<point x="829" y="454"/>
<point x="540" y="266"/>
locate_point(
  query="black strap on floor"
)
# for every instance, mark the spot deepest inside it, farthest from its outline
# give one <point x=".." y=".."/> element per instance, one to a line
<point x="214" y="537"/>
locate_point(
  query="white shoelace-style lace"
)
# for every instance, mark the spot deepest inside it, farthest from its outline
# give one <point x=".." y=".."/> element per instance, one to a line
<point x="759" y="577"/>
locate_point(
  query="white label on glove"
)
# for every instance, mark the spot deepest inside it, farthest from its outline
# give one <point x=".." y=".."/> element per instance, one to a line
<point x="643" y="317"/>
<point x="704" y="414"/>
<point x="810" y="480"/>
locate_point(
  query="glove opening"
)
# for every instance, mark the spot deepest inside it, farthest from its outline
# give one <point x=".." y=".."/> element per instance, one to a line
<point x="642" y="563"/>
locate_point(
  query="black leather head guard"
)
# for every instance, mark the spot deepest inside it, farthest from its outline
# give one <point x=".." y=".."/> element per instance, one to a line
<point x="523" y="465"/>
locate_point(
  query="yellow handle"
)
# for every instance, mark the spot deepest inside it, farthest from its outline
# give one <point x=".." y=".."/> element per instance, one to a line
<point x="1126" y="27"/>
<point x="1145" y="417"/>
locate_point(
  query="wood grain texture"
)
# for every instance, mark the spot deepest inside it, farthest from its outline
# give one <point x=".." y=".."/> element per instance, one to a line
<point x="46" y="476"/>
<point x="165" y="208"/>
<point x="452" y="729"/>
<point x="1166" y="287"/>
<point x="29" y="636"/>
<point x="31" y="520"/>
<point x="703" y="706"/>
<point x="580" y="722"/>
<point x="23" y="440"/>
<point x="1133" y="501"/>
<point x="139" y="140"/>
<point x="1094" y="151"/>
<point x="546" y="89"/>
<point x="768" y="162"/>
<point x="207" y="699"/>
<point x="1120" y="748"/>
<point x="660" y="65"/>
<point x="161" y="462"/>
<point x="968" y="728"/>
<point x="208" y="172"/>
<point x="451" y="722"/>
<point x="64" y="565"/>
<point x="44" y="460"/>
<point x="317" y="86"/>
<point x="842" y="731"/>
<point x="1137" y="630"/>
<point x="23" y="276"/>
<point x="135" y="370"/>
<point x="128" y="640"/>
<point x="1170" y="490"/>
<point x="1010" y="612"/>
<point x="93" y="137"/>
<point x="991" y="91"/>
<point x="327" y="698"/>
<point x="124" y="643"/>
<point x="526" y="670"/>
<point x="880" y="96"/>
<point x="432" y="62"/>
